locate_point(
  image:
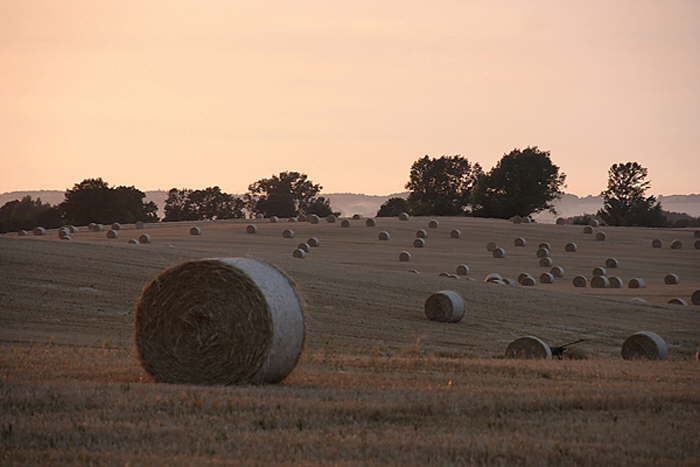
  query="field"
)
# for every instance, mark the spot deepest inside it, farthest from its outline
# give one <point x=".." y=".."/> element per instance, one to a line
<point x="377" y="383"/>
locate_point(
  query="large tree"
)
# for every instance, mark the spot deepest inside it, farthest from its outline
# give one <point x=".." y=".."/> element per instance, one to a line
<point x="27" y="213"/>
<point x="441" y="186"/>
<point x="285" y="195"/>
<point x="393" y="207"/>
<point x="209" y="203"/>
<point x="93" y="200"/>
<point x="624" y="201"/>
<point x="523" y="182"/>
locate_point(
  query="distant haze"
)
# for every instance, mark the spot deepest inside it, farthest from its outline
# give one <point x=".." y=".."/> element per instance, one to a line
<point x="185" y="93"/>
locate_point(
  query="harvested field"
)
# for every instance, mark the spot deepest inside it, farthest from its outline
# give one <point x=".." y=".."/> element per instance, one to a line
<point x="377" y="383"/>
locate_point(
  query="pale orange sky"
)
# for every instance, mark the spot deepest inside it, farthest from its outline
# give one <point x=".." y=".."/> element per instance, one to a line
<point x="172" y="93"/>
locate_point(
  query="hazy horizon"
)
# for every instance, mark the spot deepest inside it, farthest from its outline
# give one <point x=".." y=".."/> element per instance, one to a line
<point x="185" y="94"/>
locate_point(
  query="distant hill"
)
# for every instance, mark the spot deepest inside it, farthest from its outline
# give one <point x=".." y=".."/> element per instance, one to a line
<point x="368" y="205"/>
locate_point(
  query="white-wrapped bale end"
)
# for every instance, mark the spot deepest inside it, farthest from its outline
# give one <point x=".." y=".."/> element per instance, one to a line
<point x="671" y="279"/>
<point x="644" y="345"/>
<point x="695" y="298"/>
<point x="636" y="283"/>
<point x="195" y="231"/>
<point x="678" y="301"/>
<point x="520" y="242"/>
<point x="656" y="243"/>
<point x="528" y="347"/>
<point x="462" y="270"/>
<point x="455" y="233"/>
<point x="251" y="229"/>
<point x="433" y="224"/>
<point x="384" y="236"/>
<point x="287" y="233"/>
<point x="370" y="223"/>
<point x="499" y="253"/>
<point x="580" y="281"/>
<point x="570" y="247"/>
<point x="220" y="321"/>
<point x="445" y="306"/>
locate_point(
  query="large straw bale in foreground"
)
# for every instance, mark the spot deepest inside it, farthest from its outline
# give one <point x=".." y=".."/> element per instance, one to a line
<point x="220" y="321"/>
<point x="644" y="345"/>
<point x="445" y="306"/>
<point x="528" y="347"/>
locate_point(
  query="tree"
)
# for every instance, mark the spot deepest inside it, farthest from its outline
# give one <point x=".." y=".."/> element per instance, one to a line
<point x="25" y="214"/>
<point x="522" y="183"/>
<point x="285" y="195"/>
<point x="321" y="207"/>
<point x="624" y="202"/>
<point x="393" y="207"/>
<point x="209" y="203"/>
<point x="93" y="200"/>
<point x="441" y="186"/>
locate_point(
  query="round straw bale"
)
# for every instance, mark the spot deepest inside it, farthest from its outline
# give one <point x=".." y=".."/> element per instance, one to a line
<point x="516" y="220"/>
<point x="599" y="271"/>
<point x="111" y="233"/>
<point x="600" y="236"/>
<point x="73" y="229"/>
<point x="292" y="219"/>
<point x="528" y="281"/>
<point x="91" y="226"/>
<point x="195" y="231"/>
<point x="528" y="347"/>
<point x="260" y="216"/>
<point x="656" y="243"/>
<point x="421" y="233"/>
<point x="116" y="226"/>
<point x="145" y="238"/>
<point x="314" y="242"/>
<point x="419" y="243"/>
<point x="404" y="256"/>
<point x="39" y="231"/>
<point x="404" y="216"/>
<point x="561" y="221"/>
<point x="588" y="229"/>
<point x="445" y="306"/>
<point x="499" y="253"/>
<point x="220" y="322"/>
<point x="330" y="219"/>
<point x="520" y="241"/>
<point x="695" y="298"/>
<point x="600" y="282"/>
<point x="697" y="244"/>
<point x="545" y="245"/>
<point x="298" y="253"/>
<point x="636" y="283"/>
<point x="462" y="270"/>
<point x="546" y="262"/>
<point x="570" y="247"/>
<point x="543" y="253"/>
<point x="370" y="223"/>
<point x="616" y="282"/>
<point x="547" y="278"/>
<point x="139" y="225"/>
<point x="433" y="224"/>
<point x="356" y="217"/>
<point x="345" y="223"/>
<point x="639" y="300"/>
<point x="490" y="246"/>
<point x="557" y="271"/>
<point x="274" y="219"/>
<point x="612" y="263"/>
<point x="594" y="222"/>
<point x="676" y="245"/>
<point x="99" y="227"/>
<point x="644" y="345"/>
<point x="22" y="233"/>
<point x="492" y="277"/>
<point x="314" y="219"/>
<point x="678" y="301"/>
<point x="287" y="233"/>
<point x="383" y="235"/>
<point x="455" y="233"/>
<point x="522" y="276"/>
<point x="304" y="246"/>
<point x="671" y="279"/>
<point x="580" y="281"/>
<point x="251" y="229"/>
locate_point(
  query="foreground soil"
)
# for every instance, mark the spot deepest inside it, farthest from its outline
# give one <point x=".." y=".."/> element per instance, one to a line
<point x="377" y="383"/>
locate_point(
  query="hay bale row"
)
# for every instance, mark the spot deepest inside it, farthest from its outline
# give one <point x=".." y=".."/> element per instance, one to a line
<point x="220" y="321"/>
<point x="444" y="306"/>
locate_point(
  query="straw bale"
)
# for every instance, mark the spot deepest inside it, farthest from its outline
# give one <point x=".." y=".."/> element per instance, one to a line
<point x="493" y="277"/>
<point x="274" y="219"/>
<point x="547" y="278"/>
<point x="39" y="231"/>
<point x="404" y="216"/>
<point x="546" y="245"/>
<point x="676" y="245"/>
<point x="370" y="223"/>
<point x="612" y="263"/>
<point x="220" y="321"/>
<point x="695" y="298"/>
<point x="287" y="233"/>
<point x="599" y="271"/>
<point x="557" y="271"/>
<point x="314" y="242"/>
<point x="331" y="219"/>
<point x="522" y="276"/>
<point x="490" y="246"/>
<point x="421" y="233"/>
<point x="455" y="233"/>
<point x="304" y="246"/>
<point x="145" y="238"/>
<point x="671" y="279"/>
<point x="133" y="241"/>
<point x="111" y="233"/>
<point x="116" y="226"/>
<point x="251" y="229"/>
<point x="298" y="253"/>
<point x="433" y="224"/>
<point x="600" y="282"/>
<point x="383" y="235"/>
<point x="600" y="236"/>
<point x="543" y="253"/>
<point x="462" y="270"/>
<point x="404" y="256"/>
<point x="444" y="306"/>
<point x="520" y="241"/>
<point x="636" y="283"/>
<point x="419" y="243"/>
<point x="580" y="281"/>
<point x="195" y="231"/>
<point x="588" y="229"/>
<point x="546" y="262"/>
<point x="561" y="221"/>
<point x="345" y="223"/>
<point x="314" y="219"/>
<point x="644" y="345"/>
<point x="656" y="243"/>
<point x="499" y="253"/>
<point x="616" y="282"/>
<point x="529" y="347"/>
<point x="356" y="217"/>
<point x="678" y="301"/>
<point x="528" y="281"/>
<point x="570" y="247"/>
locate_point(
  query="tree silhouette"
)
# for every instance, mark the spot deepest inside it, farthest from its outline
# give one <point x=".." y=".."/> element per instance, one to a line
<point x="393" y="207"/>
<point x="522" y="183"/>
<point x="441" y="186"/>
<point x="25" y="214"/>
<point x="624" y="202"/>
<point x="209" y="203"/>
<point x="284" y="195"/>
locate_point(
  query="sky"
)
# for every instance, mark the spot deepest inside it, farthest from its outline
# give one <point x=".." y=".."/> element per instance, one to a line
<point x="175" y="93"/>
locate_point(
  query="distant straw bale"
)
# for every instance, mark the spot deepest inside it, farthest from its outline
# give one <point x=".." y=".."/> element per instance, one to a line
<point x="671" y="279"/>
<point x="545" y="262"/>
<point x="520" y="242"/>
<point x="298" y="253"/>
<point x="404" y="256"/>
<point x="546" y="245"/>
<point x="274" y="219"/>
<point x="421" y="233"/>
<point x="612" y="263"/>
<point x="600" y="271"/>
<point x="433" y="224"/>
<point x="600" y="236"/>
<point x="678" y="301"/>
<point x="528" y="347"/>
<point x="493" y="277"/>
<point x="287" y="233"/>
<point x="616" y="282"/>
<point x="546" y="278"/>
<point x="644" y="345"/>
<point x="695" y="298"/>
<point x="145" y="238"/>
<point x="557" y="271"/>
<point x="384" y="236"/>
<point x="356" y="217"/>
<point x="600" y="282"/>
<point x="73" y="229"/>
<point x="528" y="281"/>
<point x="314" y="242"/>
<point x="195" y="231"/>
<point x="676" y="245"/>
<point x="404" y="216"/>
<point x="570" y="247"/>
<point x="314" y="219"/>
<point x="370" y="222"/>
<point x="111" y="233"/>
<point x="580" y="281"/>
<point x="499" y="253"/>
<point x="419" y="243"/>
<point x="345" y="223"/>
<point x="455" y="233"/>
<point x="220" y="322"/>
<point x="330" y="219"/>
<point x="543" y="253"/>
<point x="251" y="229"/>
<point x="445" y="306"/>
<point x="116" y="226"/>
<point x="561" y="221"/>
<point x="462" y="270"/>
<point x="656" y="243"/>
<point x="304" y="246"/>
<point x="636" y="283"/>
<point x="588" y="229"/>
